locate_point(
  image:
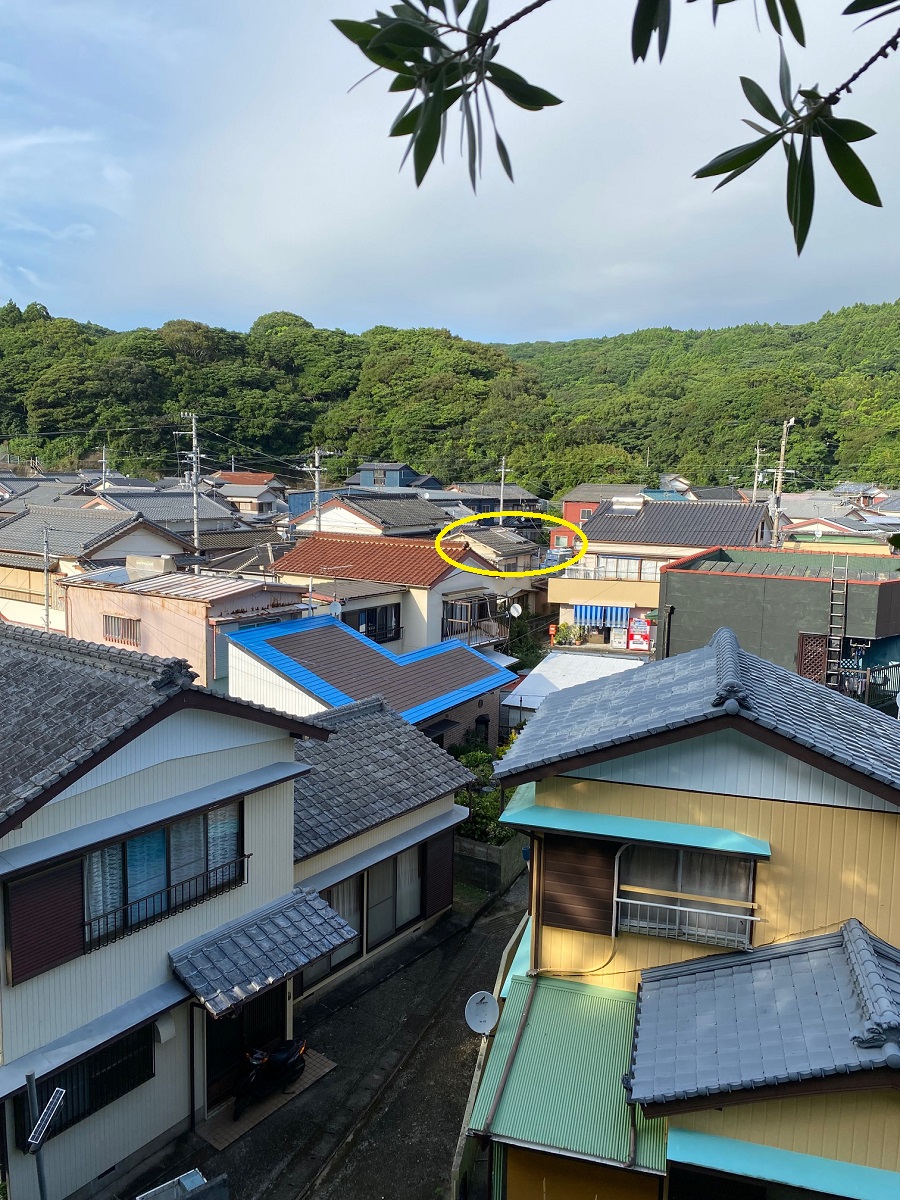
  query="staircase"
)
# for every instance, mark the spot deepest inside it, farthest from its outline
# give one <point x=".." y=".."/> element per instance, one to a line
<point x="837" y="621"/>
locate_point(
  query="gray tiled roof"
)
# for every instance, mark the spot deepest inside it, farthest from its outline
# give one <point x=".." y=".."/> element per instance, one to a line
<point x="170" y="505"/>
<point x="499" y="539"/>
<point x="49" y="492"/>
<point x="373" y="768"/>
<point x="693" y="523"/>
<point x="815" y="1007"/>
<point x="239" y="960"/>
<point x="71" y="532"/>
<point x="511" y="491"/>
<point x="591" y="492"/>
<point x="63" y="700"/>
<point x="700" y="686"/>
<point x="395" y="514"/>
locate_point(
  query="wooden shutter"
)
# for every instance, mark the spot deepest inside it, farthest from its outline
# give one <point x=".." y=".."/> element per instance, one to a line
<point x="812" y="654"/>
<point x="438" y="873"/>
<point x="578" y="879"/>
<point x="45" y="920"/>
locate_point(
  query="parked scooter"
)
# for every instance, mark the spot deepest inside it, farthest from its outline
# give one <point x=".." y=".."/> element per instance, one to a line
<point x="268" y="1070"/>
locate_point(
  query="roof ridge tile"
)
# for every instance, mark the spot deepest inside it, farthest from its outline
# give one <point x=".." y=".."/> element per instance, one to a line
<point x="731" y="693"/>
<point x="878" y="1003"/>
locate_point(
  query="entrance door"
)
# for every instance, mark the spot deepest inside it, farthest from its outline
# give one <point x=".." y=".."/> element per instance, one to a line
<point x="258" y="1025"/>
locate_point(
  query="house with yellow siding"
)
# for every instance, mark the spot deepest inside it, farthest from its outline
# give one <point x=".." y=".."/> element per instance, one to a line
<point x="706" y="999"/>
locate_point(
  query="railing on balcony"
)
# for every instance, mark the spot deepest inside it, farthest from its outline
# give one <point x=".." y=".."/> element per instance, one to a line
<point x="709" y="926"/>
<point x="474" y="631"/>
<point x="394" y="634"/>
<point x="138" y="914"/>
<point x="875" y="686"/>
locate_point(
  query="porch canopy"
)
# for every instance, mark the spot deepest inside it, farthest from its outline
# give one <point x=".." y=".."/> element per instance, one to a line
<point x="238" y="961"/>
<point x="555" y="1083"/>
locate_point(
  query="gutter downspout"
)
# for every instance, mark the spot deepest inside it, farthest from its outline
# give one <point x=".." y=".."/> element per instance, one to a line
<point x="193" y="1005"/>
<point x="670" y="608"/>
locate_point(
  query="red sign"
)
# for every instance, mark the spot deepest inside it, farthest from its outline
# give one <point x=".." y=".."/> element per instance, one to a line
<point x="552" y="630"/>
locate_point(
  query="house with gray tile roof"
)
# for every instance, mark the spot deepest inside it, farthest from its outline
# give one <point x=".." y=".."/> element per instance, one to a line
<point x="378" y="808"/>
<point x="172" y="509"/>
<point x="46" y="543"/>
<point x="717" y="839"/>
<point x="147" y="881"/>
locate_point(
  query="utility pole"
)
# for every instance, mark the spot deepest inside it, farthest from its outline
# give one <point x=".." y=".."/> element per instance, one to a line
<point x="103" y="471"/>
<point x="316" y="471"/>
<point x="756" y="471"/>
<point x="502" y="483"/>
<point x="34" y="1116"/>
<point x="232" y="464"/>
<point x="779" y="478"/>
<point x="46" y="578"/>
<point x="195" y="484"/>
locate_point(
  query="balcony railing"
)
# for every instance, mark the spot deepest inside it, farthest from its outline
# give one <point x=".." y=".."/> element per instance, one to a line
<point x="474" y="632"/>
<point x="394" y="634"/>
<point x="709" y="926"/>
<point x="138" y="914"/>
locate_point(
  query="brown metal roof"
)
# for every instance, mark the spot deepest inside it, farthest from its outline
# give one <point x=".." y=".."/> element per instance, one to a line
<point x="412" y="561"/>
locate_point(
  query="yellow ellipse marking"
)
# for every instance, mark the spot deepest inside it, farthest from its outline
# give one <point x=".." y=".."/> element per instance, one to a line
<point x="556" y="521"/>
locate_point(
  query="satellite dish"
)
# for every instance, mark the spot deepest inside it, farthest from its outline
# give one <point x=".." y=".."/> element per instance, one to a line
<point x="515" y="610"/>
<point x="335" y="608"/>
<point x="482" y="1012"/>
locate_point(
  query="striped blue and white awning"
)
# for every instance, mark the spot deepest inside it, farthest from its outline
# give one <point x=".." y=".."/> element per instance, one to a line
<point x="615" y="616"/>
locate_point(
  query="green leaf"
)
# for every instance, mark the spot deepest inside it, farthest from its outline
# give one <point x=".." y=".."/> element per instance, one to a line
<point x="794" y="20"/>
<point x="646" y="20"/>
<point x="859" y="6"/>
<point x="479" y="16"/>
<point x="471" y="141"/>
<point x="408" y="120"/>
<point x="519" y="90"/>
<point x="774" y="15"/>
<point x="504" y="157"/>
<point x="849" y="166"/>
<point x="850" y="131"/>
<point x="403" y="83"/>
<point x="801" y="189"/>
<point x="359" y="32"/>
<point x="428" y="136"/>
<point x="740" y="156"/>
<point x="784" y="79"/>
<point x="760" y="101"/>
<point x="405" y="35"/>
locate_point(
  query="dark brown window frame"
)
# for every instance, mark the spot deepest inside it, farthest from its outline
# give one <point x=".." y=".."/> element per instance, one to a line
<point x="128" y="927"/>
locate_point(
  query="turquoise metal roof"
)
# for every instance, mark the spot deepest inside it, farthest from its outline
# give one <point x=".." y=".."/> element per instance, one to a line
<point x="521" y="962"/>
<point x="807" y="1171"/>
<point x="564" y="1090"/>
<point x="634" y="829"/>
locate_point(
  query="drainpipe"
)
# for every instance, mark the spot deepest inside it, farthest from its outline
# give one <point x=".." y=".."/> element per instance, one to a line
<point x="193" y="1005"/>
<point x="670" y="608"/>
<point x="632" y="1133"/>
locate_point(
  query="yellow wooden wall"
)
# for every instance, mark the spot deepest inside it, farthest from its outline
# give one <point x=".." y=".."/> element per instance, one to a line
<point x="532" y="1175"/>
<point x="856" y="1127"/>
<point x="827" y="864"/>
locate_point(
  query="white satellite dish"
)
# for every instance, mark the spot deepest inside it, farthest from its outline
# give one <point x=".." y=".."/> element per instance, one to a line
<point x="482" y="1012"/>
<point x="335" y="608"/>
<point x="515" y="610"/>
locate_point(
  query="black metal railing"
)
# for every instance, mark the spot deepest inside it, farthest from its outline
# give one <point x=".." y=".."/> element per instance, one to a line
<point x="474" y="631"/>
<point x="158" y="906"/>
<point x="394" y="634"/>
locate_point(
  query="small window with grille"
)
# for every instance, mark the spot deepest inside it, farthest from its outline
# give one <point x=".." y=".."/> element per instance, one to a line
<point x="126" y="631"/>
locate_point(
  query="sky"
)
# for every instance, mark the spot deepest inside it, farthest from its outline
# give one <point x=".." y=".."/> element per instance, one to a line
<point x="207" y="159"/>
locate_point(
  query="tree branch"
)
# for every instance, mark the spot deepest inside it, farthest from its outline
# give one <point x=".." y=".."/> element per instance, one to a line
<point x="891" y="44"/>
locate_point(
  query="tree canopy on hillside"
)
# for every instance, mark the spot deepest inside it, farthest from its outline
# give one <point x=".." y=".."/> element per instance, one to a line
<point x="618" y="409"/>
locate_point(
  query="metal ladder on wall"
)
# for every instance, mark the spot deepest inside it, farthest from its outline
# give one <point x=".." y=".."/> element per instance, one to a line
<point x="837" y="621"/>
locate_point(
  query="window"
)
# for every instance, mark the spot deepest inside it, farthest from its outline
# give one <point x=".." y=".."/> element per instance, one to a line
<point x="578" y="887"/>
<point x="618" y="568"/>
<point x="264" y="506"/>
<point x="93" y="1083"/>
<point x="394" y="896"/>
<point x="688" y="895"/>
<point x="560" y="540"/>
<point x="378" y="478"/>
<point x="381" y="624"/>
<point x="585" y="513"/>
<point x="136" y="882"/>
<point x="650" y="570"/>
<point x="124" y="630"/>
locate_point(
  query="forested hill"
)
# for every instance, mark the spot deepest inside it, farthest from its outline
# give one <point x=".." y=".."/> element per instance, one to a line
<point x="563" y="413"/>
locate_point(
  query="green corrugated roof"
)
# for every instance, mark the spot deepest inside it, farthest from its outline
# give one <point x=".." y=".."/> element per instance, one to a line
<point x="634" y="829"/>
<point x="564" y="1090"/>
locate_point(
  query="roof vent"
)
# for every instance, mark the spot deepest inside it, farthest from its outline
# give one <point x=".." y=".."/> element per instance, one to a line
<point x="627" y="506"/>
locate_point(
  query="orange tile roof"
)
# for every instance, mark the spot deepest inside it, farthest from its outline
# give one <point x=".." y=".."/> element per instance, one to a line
<point x="245" y="478"/>
<point x="413" y="562"/>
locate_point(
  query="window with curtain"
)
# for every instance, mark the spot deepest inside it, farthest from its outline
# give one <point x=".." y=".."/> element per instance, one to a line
<point x="409" y="886"/>
<point x="187" y="859"/>
<point x="147" y="875"/>
<point x="381" y="922"/>
<point x="650" y="569"/>
<point x="104" y="896"/>
<point x="223" y="844"/>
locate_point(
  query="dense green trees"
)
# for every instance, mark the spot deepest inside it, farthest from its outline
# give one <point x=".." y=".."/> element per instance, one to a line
<point x="614" y="409"/>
